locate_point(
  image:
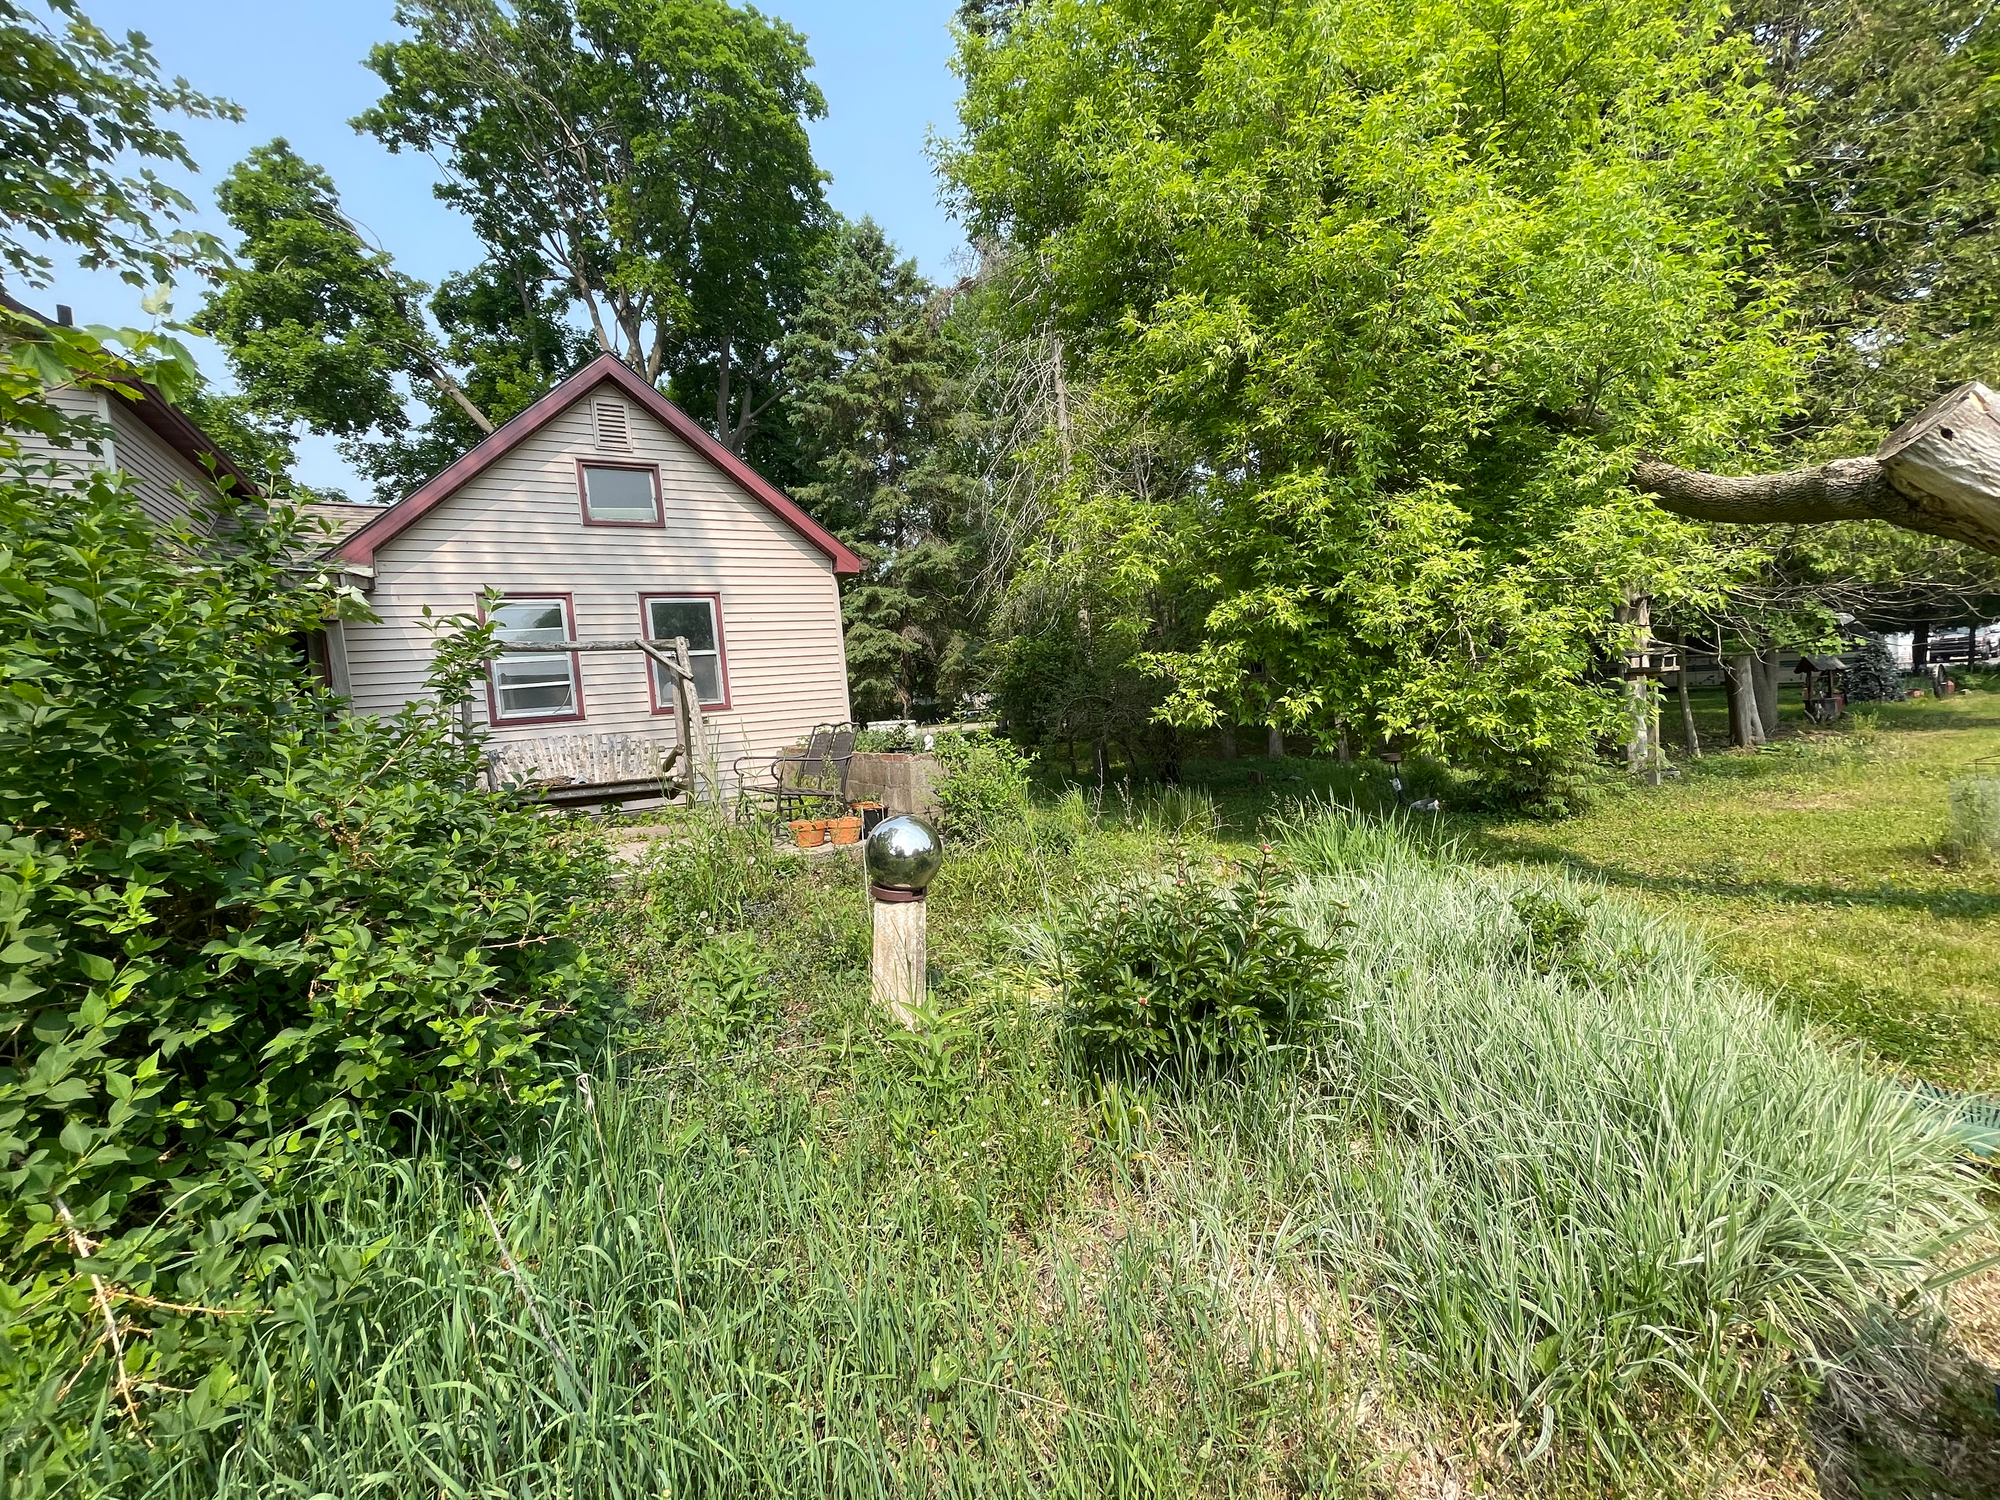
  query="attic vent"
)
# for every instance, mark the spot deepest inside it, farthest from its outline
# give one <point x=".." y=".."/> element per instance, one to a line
<point x="614" y="427"/>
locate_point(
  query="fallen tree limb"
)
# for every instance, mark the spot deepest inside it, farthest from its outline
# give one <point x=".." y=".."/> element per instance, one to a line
<point x="1938" y="473"/>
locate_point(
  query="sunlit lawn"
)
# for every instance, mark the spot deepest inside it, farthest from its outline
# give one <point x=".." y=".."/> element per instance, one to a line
<point x="1815" y="865"/>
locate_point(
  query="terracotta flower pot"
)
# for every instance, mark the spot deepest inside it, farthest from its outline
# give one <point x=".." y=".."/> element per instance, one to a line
<point x="808" y="833"/>
<point x="845" y="830"/>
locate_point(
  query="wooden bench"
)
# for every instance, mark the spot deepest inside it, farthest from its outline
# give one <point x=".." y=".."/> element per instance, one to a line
<point x="585" y="768"/>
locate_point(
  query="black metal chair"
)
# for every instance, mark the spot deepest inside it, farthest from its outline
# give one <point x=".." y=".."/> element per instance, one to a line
<point x="813" y="778"/>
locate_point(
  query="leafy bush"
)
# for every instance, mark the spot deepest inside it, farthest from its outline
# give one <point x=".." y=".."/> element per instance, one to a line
<point x="728" y="990"/>
<point x="985" y="785"/>
<point x="1553" y="927"/>
<point x="234" y="919"/>
<point x="1192" y="973"/>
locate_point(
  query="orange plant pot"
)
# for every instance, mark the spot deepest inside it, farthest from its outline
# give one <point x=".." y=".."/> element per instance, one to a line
<point x="809" y="833"/>
<point x="845" y="830"/>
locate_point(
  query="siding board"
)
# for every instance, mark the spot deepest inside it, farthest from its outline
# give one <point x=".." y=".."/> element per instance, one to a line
<point x="517" y="526"/>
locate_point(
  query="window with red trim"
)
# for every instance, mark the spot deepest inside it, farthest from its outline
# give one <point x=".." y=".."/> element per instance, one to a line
<point x="699" y="618"/>
<point x="538" y="685"/>
<point x="620" y="494"/>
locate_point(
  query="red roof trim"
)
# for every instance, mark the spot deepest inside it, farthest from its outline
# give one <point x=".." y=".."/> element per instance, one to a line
<point x="360" y="546"/>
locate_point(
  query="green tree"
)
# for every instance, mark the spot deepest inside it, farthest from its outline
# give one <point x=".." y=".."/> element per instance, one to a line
<point x="876" y="411"/>
<point x="77" y="108"/>
<point x="1889" y="217"/>
<point x="652" y="153"/>
<point x="317" y="325"/>
<point x="1368" y="262"/>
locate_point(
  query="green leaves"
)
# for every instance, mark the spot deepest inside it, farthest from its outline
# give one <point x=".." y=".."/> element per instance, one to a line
<point x="231" y="917"/>
<point x="1333" y="281"/>
<point x="1192" y="973"/>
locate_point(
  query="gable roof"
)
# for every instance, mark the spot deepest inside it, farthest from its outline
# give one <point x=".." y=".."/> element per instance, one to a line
<point x="166" y="421"/>
<point x="360" y="545"/>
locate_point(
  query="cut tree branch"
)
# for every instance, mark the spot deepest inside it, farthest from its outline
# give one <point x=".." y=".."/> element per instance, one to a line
<point x="1938" y="473"/>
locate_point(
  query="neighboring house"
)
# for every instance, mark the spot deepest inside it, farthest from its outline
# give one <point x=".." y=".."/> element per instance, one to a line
<point x="171" y="463"/>
<point x="603" y="512"/>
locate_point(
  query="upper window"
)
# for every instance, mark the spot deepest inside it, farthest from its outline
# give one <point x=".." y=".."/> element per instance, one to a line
<point x="620" y="494"/>
<point x="540" y="685"/>
<point x="695" y="616"/>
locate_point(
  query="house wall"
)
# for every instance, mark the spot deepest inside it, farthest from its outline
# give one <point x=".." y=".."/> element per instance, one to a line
<point x="517" y="526"/>
<point x="153" y="467"/>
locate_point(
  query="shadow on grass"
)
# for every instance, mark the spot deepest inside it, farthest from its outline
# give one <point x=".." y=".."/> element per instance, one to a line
<point x="1962" y="904"/>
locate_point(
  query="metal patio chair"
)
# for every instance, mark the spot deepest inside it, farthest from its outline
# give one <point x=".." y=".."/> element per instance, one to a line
<point x="805" y="781"/>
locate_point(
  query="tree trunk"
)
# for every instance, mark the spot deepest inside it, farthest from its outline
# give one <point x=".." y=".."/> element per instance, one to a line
<point x="1229" y="742"/>
<point x="1274" y="743"/>
<point x="1746" y="729"/>
<point x="1687" y="712"/>
<point x="1938" y="473"/>
<point x="1765" y="676"/>
<point x="1920" y="647"/>
<point x="1346" y="746"/>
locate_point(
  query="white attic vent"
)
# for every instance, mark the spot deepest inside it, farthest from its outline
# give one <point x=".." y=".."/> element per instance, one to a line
<point x="614" y="426"/>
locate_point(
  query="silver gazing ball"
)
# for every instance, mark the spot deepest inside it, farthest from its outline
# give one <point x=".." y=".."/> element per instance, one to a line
<point x="903" y="854"/>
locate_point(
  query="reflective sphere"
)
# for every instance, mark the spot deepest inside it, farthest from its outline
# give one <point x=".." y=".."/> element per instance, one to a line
<point x="903" y="854"/>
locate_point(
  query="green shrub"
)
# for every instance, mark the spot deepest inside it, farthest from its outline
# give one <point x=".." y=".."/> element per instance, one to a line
<point x="985" y="783"/>
<point x="234" y="919"/>
<point x="1553" y="927"/>
<point x="1192" y="973"/>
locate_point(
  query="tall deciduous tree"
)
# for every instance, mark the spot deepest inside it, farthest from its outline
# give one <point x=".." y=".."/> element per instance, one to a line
<point x="314" y="320"/>
<point x="1354" y="255"/>
<point x="652" y="153"/>
<point x="320" y="327"/>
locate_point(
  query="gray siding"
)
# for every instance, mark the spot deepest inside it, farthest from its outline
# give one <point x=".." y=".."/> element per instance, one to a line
<point x="157" y="473"/>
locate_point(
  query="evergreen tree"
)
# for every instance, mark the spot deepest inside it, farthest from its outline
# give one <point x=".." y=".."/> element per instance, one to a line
<point x="1872" y="673"/>
<point x="876" y="412"/>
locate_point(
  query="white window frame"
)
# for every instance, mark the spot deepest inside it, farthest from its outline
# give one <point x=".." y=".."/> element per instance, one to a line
<point x="496" y="714"/>
<point x="663" y="698"/>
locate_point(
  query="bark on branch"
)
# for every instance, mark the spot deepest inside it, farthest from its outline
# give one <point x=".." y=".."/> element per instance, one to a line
<point x="1938" y="473"/>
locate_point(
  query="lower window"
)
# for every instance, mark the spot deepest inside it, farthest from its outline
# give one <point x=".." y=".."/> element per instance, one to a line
<point x="699" y="618"/>
<point x="537" y="685"/>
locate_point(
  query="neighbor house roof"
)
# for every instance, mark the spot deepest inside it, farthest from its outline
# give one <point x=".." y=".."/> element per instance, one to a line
<point x="166" y="421"/>
<point x="342" y="517"/>
<point x="360" y="545"/>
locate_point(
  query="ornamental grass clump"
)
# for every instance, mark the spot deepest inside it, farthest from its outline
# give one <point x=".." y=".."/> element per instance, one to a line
<point x="1617" y="1194"/>
<point x="1193" y="972"/>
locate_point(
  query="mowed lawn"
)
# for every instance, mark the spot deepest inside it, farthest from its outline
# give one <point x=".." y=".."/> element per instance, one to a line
<point x="1817" y="867"/>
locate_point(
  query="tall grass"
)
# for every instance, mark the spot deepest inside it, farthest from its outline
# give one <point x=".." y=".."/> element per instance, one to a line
<point x="1614" y="1198"/>
<point x="1595" y="1199"/>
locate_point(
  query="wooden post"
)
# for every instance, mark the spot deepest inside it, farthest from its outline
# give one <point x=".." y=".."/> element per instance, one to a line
<point x="900" y="965"/>
<point x="1766" y="679"/>
<point x="1746" y="729"/>
<point x="1687" y="712"/>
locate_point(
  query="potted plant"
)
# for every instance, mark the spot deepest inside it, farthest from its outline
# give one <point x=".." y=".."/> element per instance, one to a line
<point x="808" y="833"/>
<point x="845" y="830"/>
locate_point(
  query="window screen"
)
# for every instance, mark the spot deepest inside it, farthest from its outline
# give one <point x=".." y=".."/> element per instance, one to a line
<point x="539" y="685"/>
<point x="621" y="496"/>
<point x="695" y="619"/>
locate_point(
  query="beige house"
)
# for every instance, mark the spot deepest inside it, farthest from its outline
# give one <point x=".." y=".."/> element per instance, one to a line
<point x="171" y="463"/>
<point x="602" y="513"/>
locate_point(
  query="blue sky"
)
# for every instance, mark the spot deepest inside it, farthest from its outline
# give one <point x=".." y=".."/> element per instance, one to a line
<point x="296" y="70"/>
